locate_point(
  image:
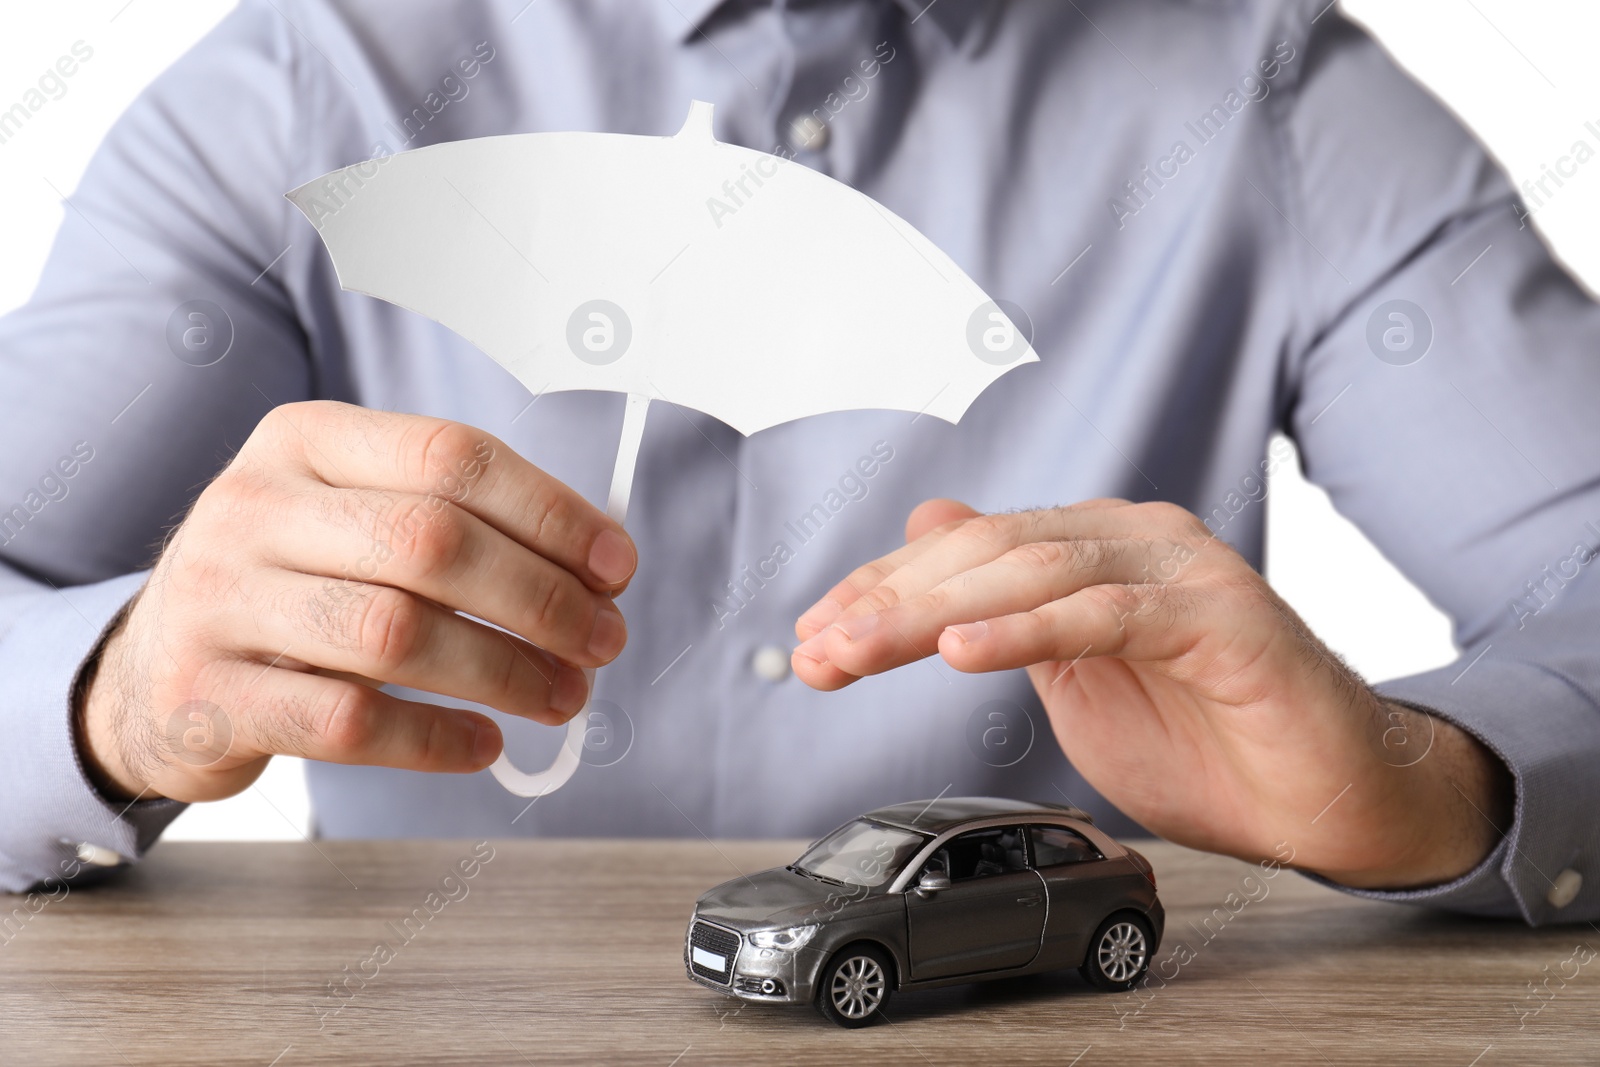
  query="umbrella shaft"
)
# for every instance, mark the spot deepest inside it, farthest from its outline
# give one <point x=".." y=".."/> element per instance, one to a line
<point x="627" y="456"/>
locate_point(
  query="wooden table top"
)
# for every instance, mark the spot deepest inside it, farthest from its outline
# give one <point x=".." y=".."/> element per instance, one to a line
<point x="571" y="952"/>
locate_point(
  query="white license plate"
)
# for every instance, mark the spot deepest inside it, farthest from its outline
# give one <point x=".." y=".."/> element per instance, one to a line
<point x="710" y="959"/>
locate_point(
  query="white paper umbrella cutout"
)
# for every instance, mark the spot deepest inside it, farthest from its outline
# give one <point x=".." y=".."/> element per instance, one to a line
<point x="674" y="268"/>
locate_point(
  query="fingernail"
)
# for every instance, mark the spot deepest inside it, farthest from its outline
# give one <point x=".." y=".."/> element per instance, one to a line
<point x="612" y="559"/>
<point x="568" y="691"/>
<point x="485" y="743"/>
<point x="856" y="627"/>
<point x="811" y="649"/>
<point x="969" y="631"/>
<point x="609" y="634"/>
<point x="821" y="613"/>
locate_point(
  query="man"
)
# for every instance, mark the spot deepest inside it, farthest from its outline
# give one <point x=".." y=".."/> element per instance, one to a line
<point x="1219" y="220"/>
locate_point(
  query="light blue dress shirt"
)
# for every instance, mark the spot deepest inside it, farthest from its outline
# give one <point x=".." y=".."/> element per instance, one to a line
<point x="1206" y="210"/>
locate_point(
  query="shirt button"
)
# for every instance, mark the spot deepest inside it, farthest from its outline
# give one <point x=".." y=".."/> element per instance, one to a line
<point x="98" y="855"/>
<point x="770" y="663"/>
<point x="808" y="133"/>
<point x="1565" y="889"/>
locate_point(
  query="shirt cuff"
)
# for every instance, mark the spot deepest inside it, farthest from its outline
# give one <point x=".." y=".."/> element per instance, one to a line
<point x="57" y="825"/>
<point x="1546" y="728"/>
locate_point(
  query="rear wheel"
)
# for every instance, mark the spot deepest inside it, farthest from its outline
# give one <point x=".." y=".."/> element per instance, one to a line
<point x="854" y="986"/>
<point x="1119" y="955"/>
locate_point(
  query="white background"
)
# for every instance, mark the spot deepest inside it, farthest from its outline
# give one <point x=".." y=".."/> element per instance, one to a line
<point x="1519" y="72"/>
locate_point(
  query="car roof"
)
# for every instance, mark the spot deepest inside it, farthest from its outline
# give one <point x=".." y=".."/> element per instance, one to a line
<point x="944" y="813"/>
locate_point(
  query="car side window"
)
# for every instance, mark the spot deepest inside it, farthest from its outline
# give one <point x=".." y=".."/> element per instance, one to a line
<point x="1054" y="846"/>
<point x="979" y="854"/>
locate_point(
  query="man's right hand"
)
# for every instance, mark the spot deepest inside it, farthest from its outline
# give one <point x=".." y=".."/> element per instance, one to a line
<point x="331" y="556"/>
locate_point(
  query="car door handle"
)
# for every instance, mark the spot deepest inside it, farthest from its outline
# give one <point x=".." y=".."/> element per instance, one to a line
<point x="1030" y="900"/>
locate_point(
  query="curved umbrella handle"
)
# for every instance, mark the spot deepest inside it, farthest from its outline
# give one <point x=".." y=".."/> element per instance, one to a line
<point x="564" y="766"/>
<point x="566" y="762"/>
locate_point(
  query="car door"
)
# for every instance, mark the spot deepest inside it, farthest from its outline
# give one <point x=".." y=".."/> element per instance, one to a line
<point x="990" y="918"/>
<point x="1082" y="886"/>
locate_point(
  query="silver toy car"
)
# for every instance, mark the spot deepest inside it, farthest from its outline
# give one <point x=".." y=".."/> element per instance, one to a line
<point x="926" y="894"/>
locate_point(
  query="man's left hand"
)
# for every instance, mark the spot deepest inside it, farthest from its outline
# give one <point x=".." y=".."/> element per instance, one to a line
<point x="1177" y="682"/>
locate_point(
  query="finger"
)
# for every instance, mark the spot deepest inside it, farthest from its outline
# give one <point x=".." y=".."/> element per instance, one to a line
<point x="931" y="514"/>
<point x="870" y="576"/>
<point x="976" y="541"/>
<point x="391" y="636"/>
<point x="862" y="580"/>
<point x="927" y="521"/>
<point x="810" y="664"/>
<point x="1135" y="622"/>
<point x="275" y="711"/>
<point x="432" y="547"/>
<point x="1017" y="581"/>
<point x="939" y="511"/>
<point x="351" y="447"/>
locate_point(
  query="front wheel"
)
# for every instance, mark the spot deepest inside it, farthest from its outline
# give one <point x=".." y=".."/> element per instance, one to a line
<point x="854" y="986"/>
<point x="1119" y="955"/>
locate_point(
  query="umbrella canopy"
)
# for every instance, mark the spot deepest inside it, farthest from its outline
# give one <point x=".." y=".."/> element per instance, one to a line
<point x="666" y="268"/>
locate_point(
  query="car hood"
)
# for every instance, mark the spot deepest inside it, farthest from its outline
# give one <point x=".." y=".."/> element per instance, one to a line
<point x="778" y="897"/>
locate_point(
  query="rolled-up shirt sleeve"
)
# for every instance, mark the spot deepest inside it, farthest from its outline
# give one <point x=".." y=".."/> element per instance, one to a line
<point x="1444" y="386"/>
<point x="114" y="413"/>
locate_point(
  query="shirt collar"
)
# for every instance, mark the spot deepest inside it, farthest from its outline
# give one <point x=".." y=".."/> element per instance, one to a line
<point x="953" y="17"/>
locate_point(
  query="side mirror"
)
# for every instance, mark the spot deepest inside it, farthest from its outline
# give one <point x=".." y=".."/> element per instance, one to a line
<point x="932" y="883"/>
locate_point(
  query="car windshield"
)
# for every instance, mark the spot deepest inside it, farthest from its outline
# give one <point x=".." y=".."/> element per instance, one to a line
<point x="862" y="853"/>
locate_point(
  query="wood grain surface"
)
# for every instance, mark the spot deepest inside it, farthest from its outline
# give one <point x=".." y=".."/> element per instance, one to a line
<point x="571" y="952"/>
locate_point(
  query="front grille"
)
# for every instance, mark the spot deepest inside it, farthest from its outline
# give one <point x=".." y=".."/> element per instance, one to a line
<point x="724" y="943"/>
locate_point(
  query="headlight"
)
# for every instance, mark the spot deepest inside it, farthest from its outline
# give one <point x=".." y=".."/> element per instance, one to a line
<point x="785" y="940"/>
